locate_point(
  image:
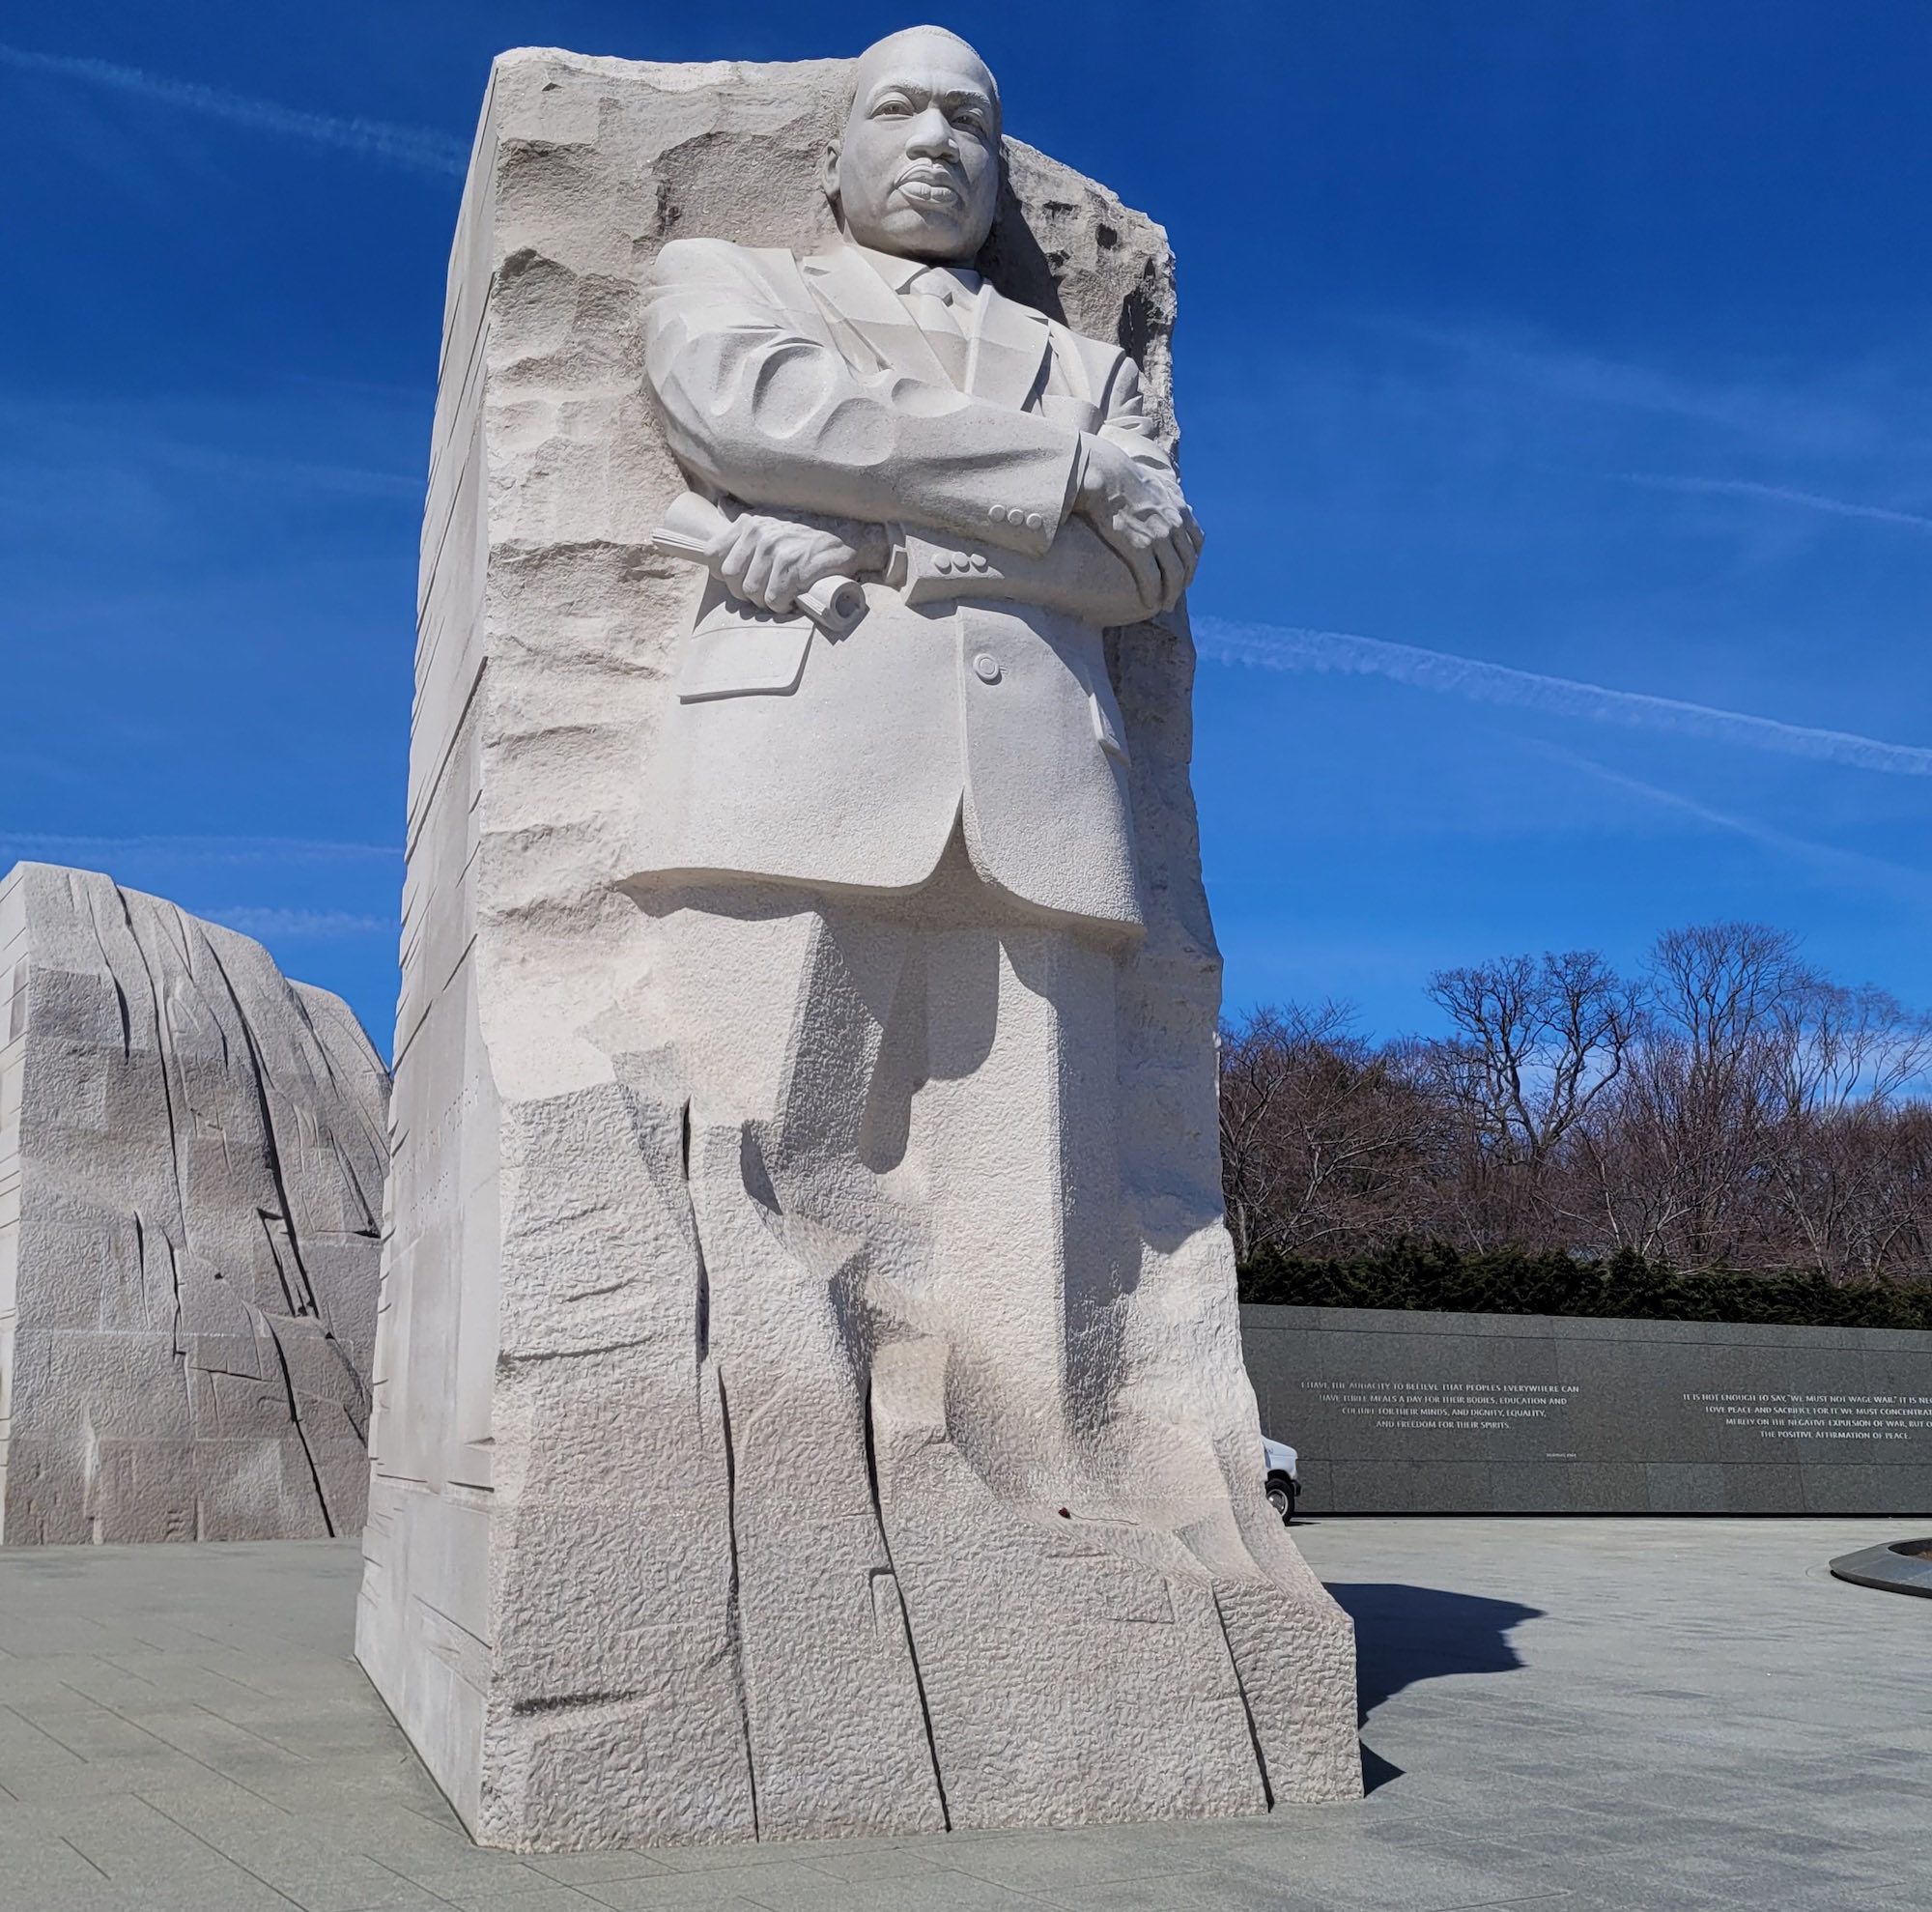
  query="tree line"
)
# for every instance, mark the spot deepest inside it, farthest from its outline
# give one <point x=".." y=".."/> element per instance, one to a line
<point x="1728" y="1106"/>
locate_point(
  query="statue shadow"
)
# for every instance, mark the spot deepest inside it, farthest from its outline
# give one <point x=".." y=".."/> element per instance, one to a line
<point x="1015" y="261"/>
<point x="1405" y="1635"/>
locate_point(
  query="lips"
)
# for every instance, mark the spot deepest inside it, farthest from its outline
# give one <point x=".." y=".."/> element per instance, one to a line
<point x="927" y="187"/>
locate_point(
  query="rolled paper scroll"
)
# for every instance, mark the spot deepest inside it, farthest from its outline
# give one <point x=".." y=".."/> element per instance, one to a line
<point x="696" y="529"/>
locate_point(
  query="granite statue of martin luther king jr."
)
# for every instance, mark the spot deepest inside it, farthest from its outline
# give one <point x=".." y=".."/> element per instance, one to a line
<point x="896" y="870"/>
<point x="880" y="411"/>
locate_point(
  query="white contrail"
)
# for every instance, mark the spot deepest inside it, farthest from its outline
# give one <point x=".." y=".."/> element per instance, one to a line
<point x="377" y="139"/>
<point x="1277" y="648"/>
<point x="1856" y="863"/>
<point x="1838" y="507"/>
<point x="31" y="843"/>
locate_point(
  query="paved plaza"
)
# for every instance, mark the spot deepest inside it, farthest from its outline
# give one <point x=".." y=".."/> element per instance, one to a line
<point x="1637" y="1713"/>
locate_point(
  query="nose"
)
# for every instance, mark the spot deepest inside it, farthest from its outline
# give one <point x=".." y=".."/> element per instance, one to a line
<point x="930" y="137"/>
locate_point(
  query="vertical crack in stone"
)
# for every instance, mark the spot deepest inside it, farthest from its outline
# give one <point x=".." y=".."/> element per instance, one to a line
<point x="178" y="1339"/>
<point x="701" y="1301"/>
<point x="296" y="1421"/>
<point x="905" y="1615"/>
<point x="733" y="1617"/>
<point x="303" y="1304"/>
<point x="342" y="1097"/>
<point x="86" y="897"/>
<point x="1247" y="1710"/>
<point x="267" y="1219"/>
<point x="701" y="1282"/>
<point x="162" y="1048"/>
<point x="357" y="1383"/>
<point x="141" y="1263"/>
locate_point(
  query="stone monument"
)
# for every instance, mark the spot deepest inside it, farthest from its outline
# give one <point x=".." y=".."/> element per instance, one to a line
<point x="191" y="1158"/>
<point x="810" y="1395"/>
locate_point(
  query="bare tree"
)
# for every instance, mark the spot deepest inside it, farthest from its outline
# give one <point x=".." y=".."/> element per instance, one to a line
<point x="1537" y="1042"/>
<point x="1723" y="997"/>
<point x="1829" y="1164"/>
<point x="1320" y="1131"/>
<point x="1723" y="986"/>
<point x="1843" y="1047"/>
<point x="1732" y="1107"/>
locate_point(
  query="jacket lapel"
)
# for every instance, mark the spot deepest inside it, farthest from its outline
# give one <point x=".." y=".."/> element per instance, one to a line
<point x="1010" y="341"/>
<point x="1009" y="349"/>
<point x="852" y="291"/>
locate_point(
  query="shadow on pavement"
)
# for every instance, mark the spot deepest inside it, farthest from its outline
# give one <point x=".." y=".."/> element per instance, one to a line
<point x="1406" y="1634"/>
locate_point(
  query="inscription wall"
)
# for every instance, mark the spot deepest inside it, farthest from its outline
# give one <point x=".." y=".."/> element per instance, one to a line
<point x="1411" y="1412"/>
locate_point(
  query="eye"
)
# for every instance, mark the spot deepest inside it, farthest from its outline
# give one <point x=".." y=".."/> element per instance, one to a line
<point x="893" y="108"/>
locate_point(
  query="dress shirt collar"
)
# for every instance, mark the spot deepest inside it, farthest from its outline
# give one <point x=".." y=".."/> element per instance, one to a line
<point x="899" y="273"/>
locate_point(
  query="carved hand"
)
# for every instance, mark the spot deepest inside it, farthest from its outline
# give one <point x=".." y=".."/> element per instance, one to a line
<point x="1143" y="516"/>
<point x="768" y="560"/>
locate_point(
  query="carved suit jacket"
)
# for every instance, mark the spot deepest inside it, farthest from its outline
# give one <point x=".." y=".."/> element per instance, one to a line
<point x="974" y="688"/>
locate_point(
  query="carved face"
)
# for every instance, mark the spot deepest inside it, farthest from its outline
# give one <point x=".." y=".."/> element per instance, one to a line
<point x="917" y="171"/>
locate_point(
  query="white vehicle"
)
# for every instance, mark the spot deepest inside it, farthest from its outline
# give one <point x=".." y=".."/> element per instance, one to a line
<point x="1284" y="1483"/>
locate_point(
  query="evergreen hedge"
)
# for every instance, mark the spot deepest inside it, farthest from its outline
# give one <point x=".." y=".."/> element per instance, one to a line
<point x="1621" y="1287"/>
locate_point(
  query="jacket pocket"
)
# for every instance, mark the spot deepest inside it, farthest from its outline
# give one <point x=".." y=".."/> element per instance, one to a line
<point x="735" y="650"/>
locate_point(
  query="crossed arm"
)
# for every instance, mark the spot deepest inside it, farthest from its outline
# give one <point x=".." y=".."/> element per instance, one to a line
<point x="824" y="458"/>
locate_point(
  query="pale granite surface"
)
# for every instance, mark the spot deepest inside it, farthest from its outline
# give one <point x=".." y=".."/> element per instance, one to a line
<point x="1646" y="1715"/>
<point x="191" y="1160"/>
<point x="808" y="1382"/>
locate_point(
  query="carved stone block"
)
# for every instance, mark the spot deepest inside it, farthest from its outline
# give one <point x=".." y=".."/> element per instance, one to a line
<point x="191" y="1158"/>
<point x="809" y="1396"/>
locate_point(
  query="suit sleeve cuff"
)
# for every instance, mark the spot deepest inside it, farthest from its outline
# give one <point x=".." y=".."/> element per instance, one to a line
<point x="1029" y="523"/>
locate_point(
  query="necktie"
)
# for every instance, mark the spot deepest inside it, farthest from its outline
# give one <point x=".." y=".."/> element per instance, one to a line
<point x="933" y="297"/>
<point x="939" y="305"/>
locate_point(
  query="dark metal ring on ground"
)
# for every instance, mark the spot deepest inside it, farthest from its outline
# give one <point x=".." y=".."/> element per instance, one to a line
<point x="1903" y="1567"/>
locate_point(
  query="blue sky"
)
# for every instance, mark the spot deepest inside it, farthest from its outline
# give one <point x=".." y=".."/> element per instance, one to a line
<point x="1586" y="342"/>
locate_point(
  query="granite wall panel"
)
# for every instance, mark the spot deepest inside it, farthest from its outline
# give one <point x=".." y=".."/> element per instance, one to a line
<point x="1397" y="1412"/>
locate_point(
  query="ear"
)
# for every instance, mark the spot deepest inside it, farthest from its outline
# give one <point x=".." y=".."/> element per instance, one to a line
<point x="828" y="171"/>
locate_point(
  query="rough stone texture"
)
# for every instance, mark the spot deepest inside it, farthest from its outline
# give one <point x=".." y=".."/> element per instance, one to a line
<point x="191" y="1154"/>
<point x="622" y="1583"/>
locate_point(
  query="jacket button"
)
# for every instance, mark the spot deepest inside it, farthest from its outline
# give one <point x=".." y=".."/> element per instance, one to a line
<point x="1035" y="522"/>
<point x="943" y="563"/>
<point x="1014" y="515"/>
<point x="977" y="561"/>
<point x="987" y="668"/>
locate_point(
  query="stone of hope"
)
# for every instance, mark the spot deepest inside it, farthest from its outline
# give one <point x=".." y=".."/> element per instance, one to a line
<point x="810" y="1392"/>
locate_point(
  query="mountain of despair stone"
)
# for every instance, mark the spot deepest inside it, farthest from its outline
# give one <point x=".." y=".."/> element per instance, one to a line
<point x="191" y="1160"/>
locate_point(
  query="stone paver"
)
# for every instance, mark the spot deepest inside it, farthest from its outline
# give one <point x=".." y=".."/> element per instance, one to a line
<point x="1649" y="1714"/>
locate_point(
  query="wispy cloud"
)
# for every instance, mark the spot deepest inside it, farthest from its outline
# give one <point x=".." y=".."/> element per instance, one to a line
<point x="1277" y="648"/>
<point x="39" y="844"/>
<point x="358" y="480"/>
<point x="1838" y="508"/>
<point x="1853" y="862"/>
<point x="1856" y="412"/>
<point x="305" y="924"/>
<point x="376" y="139"/>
